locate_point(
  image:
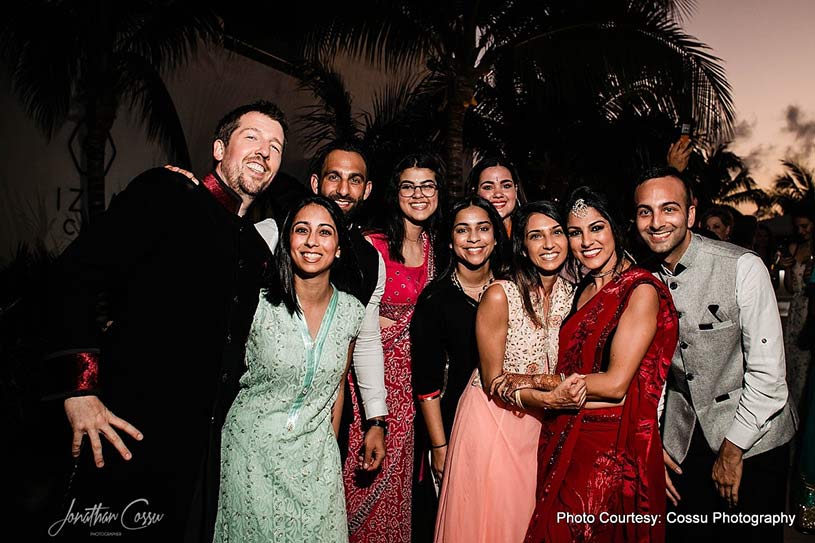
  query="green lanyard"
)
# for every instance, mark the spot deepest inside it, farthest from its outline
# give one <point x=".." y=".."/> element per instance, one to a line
<point x="314" y="351"/>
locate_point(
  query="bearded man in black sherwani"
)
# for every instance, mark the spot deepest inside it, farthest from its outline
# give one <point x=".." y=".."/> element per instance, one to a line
<point x="147" y="386"/>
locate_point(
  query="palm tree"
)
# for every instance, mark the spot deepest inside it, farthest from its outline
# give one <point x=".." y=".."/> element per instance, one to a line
<point x="609" y="55"/>
<point x="720" y="176"/>
<point x="93" y="57"/>
<point x="402" y="118"/>
<point x="794" y="187"/>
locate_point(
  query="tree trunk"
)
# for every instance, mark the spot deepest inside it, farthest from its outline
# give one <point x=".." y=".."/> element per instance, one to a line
<point x="100" y="111"/>
<point x="460" y="96"/>
<point x="516" y="144"/>
<point x="100" y="117"/>
<point x="454" y="142"/>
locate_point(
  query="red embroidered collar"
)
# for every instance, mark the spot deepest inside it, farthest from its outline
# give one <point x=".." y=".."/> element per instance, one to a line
<point x="225" y="195"/>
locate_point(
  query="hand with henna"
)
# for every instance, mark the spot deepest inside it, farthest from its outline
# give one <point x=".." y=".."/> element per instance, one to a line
<point x="555" y="392"/>
<point x="505" y="385"/>
<point x="570" y="394"/>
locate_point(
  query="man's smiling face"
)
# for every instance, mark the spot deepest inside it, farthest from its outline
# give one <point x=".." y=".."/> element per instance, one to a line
<point x="664" y="217"/>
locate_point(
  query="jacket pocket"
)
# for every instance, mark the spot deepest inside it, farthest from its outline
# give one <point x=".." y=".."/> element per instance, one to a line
<point x="713" y="326"/>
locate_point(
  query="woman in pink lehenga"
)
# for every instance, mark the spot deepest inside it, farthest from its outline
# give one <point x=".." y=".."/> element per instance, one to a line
<point x="379" y="503"/>
<point x="488" y="488"/>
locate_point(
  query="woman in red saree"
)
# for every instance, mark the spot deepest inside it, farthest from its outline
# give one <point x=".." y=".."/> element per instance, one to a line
<point x="601" y="476"/>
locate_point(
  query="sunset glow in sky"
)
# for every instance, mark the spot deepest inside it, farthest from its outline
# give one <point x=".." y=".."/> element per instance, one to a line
<point x="768" y="49"/>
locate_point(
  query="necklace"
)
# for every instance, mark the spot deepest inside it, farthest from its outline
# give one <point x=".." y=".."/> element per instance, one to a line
<point x="598" y="275"/>
<point x="613" y="270"/>
<point x="479" y="288"/>
<point x="539" y="301"/>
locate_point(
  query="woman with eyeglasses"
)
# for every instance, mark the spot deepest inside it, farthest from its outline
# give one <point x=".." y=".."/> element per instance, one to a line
<point x="379" y="503"/>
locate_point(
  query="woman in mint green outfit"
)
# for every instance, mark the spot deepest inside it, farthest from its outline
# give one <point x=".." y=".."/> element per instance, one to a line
<point x="281" y="477"/>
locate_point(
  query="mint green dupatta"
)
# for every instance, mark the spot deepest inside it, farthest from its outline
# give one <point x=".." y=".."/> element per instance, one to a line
<point x="314" y="351"/>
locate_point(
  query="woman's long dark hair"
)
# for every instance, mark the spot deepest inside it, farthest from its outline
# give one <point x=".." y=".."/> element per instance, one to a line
<point x="394" y="220"/>
<point x="525" y="274"/>
<point x="599" y="201"/>
<point x="500" y="257"/>
<point x="279" y="280"/>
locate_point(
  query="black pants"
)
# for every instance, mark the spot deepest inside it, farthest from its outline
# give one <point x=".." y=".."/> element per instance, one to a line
<point x="762" y="491"/>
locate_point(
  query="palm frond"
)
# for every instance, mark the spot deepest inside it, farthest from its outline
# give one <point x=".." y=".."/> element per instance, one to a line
<point x="404" y="113"/>
<point x="391" y="33"/>
<point x="627" y="50"/>
<point x="679" y="10"/>
<point x="722" y="159"/>
<point x="794" y="186"/>
<point x="389" y="104"/>
<point x="787" y="186"/>
<point x="43" y="76"/>
<point x="152" y="104"/>
<point x="332" y="118"/>
<point x="755" y="196"/>
<point x="169" y="36"/>
<point x="742" y="184"/>
<point x="799" y="174"/>
<point x="506" y="23"/>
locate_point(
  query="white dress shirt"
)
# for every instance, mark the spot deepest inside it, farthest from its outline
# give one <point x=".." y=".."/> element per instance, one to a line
<point x="765" y="387"/>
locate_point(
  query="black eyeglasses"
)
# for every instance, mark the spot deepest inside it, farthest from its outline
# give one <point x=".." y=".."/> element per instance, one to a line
<point x="407" y="190"/>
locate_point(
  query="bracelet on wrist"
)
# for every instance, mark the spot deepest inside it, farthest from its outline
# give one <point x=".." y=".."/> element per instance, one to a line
<point x="438" y="446"/>
<point x="377" y="422"/>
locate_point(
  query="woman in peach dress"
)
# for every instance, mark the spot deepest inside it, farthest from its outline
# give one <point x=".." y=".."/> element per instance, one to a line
<point x="488" y="488"/>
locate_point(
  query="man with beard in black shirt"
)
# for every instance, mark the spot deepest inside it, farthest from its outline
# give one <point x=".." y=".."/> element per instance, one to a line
<point x="180" y="268"/>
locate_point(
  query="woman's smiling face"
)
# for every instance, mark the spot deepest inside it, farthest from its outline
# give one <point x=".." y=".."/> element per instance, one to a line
<point x="313" y="241"/>
<point x="418" y="194"/>
<point x="592" y="240"/>
<point x="473" y="238"/>
<point x="545" y="243"/>
<point x="495" y="184"/>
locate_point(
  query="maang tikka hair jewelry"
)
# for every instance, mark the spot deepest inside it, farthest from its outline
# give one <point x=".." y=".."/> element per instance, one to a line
<point x="580" y="209"/>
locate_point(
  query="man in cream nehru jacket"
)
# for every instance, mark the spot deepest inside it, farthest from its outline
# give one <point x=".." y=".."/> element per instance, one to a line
<point x="727" y="422"/>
